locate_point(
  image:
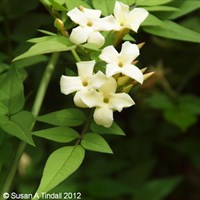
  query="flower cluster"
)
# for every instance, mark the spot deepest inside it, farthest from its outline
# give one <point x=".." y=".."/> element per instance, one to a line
<point x="99" y="90"/>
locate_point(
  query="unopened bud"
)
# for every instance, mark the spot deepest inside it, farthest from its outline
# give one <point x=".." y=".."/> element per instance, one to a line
<point x="140" y="45"/>
<point x="127" y="88"/>
<point x="122" y="80"/>
<point x="143" y="70"/>
<point x="148" y="75"/>
<point x="58" y="23"/>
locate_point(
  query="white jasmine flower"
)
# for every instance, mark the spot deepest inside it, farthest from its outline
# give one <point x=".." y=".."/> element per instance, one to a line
<point x="84" y="82"/>
<point x="122" y="62"/>
<point x="90" y="24"/>
<point x="129" y="19"/>
<point x="106" y="101"/>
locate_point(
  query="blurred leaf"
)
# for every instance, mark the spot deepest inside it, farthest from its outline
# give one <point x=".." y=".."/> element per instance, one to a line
<point x="159" y="101"/>
<point x="19" y="125"/>
<point x="190" y="103"/>
<point x="105" y="6"/>
<point x="66" y="117"/>
<point x="161" y="8"/>
<point x="151" y="2"/>
<point x="184" y="7"/>
<point x="11" y="93"/>
<point x="172" y="30"/>
<point x="52" y="44"/>
<point x="114" y="129"/>
<point x="107" y="188"/>
<point x="57" y="5"/>
<point x="58" y="134"/>
<point x="156" y="189"/>
<point x="95" y="142"/>
<point x="9" y="8"/>
<point x="26" y="62"/>
<point x="181" y="117"/>
<point x="59" y="166"/>
<point x="27" y="26"/>
<point x="72" y="4"/>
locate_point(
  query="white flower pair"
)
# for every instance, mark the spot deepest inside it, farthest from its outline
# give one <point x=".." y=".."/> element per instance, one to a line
<point x="99" y="90"/>
<point x="90" y="23"/>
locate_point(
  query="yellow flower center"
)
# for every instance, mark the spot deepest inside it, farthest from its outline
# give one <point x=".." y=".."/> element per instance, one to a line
<point x="89" y="23"/>
<point x="85" y="83"/>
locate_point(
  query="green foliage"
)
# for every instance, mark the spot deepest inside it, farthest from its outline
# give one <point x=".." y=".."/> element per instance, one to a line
<point x="48" y="44"/>
<point x="66" y="117"/>
<point x="105" y="6"/>
<point x="156" y="189"/>
<point x="172" y="30"/>
<point x="114" y="129"/>
<point x="11" y="93"/>
<point x="179" y="112"/>
<point x="60" y="165"/>
<point x="19" y="125"/>
<point x="95" y="142"/>
<point x="162" y="130"/>
<point x="58" y="134"/>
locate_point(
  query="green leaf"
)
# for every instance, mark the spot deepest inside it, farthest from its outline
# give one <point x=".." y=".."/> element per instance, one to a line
<point x="72" y="4"/>
<point x="151" y="20"/>
<point x="19" y="125"/>
<point x="26" y="62"/>
<point x="11" y="93"/>
<point x="161" y="8"/>
<point x="57" y="5"/>
<point x="104" y="5"/>
<point x="156" y="189"/>
<point x="95" y="142"/>
<point x="90" y="46"/>
<point x="172" y="30"/>
<point x="184" y="6"/>
<point x="66" y="117"/>
<point x="160" y="101"/>
<point x="181" y="117"/>
<point x="58" y="134"/>
<point x="114" y="129"/>
<point x="59" y="166"/>
<point x="49" y="45"/>
<point x="151" y="2"/>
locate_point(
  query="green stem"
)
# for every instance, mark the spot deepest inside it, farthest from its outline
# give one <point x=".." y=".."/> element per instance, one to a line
<point x="86" y="126"/>
<point x="76" y="55"/>
<point x="35" y="111"/>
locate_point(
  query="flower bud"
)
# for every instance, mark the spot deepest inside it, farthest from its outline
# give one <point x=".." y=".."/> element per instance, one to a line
<point x="60" y="26"/>
<point x="122" y="80"/>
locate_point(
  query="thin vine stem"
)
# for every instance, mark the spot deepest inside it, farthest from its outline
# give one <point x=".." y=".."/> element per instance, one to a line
<point x="35" y="111"/>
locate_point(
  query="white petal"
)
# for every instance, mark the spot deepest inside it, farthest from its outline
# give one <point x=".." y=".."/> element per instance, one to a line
<point x="129" y="52"/>
<point x="80" y="34"/>
<point x="77" y="98"/>
<point x="108" y="87"/>
<point x="136" y="17"/>
<point x="109" y="55"/>
<point x="96" y="38"/>
<point x="107" y="23"/>
<point x="93" y="99"/>
<point x="97" y="80"/>
<point x="78" y="17"/>
<point x="70" y="84"/>
<point x="120" y="11"/>
<point x="112" y="69"/>
<point x="120" y="100"/>
<point x="85" y="69"/>
<point x="92" y="14"/>
<point x="133" y="72"/>
<point x="103" y="116"/>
